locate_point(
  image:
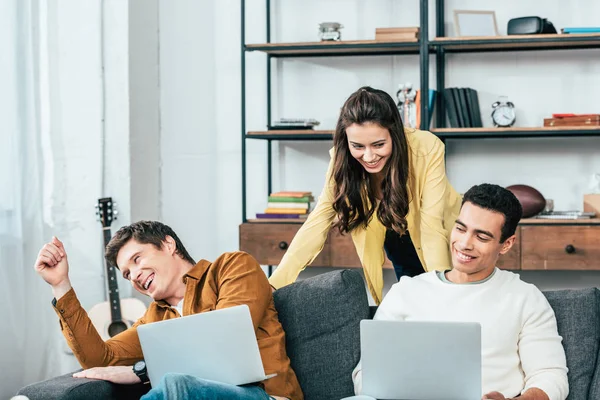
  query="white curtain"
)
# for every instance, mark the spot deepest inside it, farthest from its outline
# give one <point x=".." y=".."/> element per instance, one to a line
<point x="28" y="327"/>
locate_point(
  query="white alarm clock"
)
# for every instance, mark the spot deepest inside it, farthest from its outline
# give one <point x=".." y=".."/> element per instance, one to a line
<point x="503" y="113"/>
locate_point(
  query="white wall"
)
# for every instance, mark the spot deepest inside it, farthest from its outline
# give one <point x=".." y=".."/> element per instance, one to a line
<point x="144" y="109"/>
<point x="188" y="154"/>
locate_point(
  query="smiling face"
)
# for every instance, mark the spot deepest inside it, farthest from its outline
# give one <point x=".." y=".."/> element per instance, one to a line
<point x="154" y="272"/>
<point x="475" y="243"/>
<point x="370" y="144"/>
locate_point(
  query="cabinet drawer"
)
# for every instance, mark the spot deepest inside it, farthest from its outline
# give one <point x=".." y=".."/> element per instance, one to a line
<point x="343" y="253"/>
<point x="269" y="242"/>
<point x="560" y="247"/>
<point x="512" y="259"/>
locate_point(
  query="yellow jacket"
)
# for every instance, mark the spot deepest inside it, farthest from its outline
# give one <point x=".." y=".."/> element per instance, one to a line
<point x="433" y="209"/>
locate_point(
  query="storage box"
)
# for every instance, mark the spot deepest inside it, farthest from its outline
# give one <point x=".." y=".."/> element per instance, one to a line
<point x="591" y="203"/>
<point x="578" y="120"/>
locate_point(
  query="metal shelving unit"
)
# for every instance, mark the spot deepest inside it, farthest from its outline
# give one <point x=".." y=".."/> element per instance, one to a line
<point x="321" y="49"/>
<point x="424" y="47"/>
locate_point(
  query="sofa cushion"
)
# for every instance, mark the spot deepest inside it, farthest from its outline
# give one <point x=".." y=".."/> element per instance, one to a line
<point x="578" y="318"/>
<point x="594" y="392"/>
<point x="321" y="318"/>
<point x="65" y="387"/>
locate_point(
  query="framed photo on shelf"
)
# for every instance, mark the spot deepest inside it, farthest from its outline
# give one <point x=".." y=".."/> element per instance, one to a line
<point x="475" y="23"/>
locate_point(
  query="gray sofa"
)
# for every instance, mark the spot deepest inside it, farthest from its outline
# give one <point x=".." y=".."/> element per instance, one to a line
<point x="321" y="317"/>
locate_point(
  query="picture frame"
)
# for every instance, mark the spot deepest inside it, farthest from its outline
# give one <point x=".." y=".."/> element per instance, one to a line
<point x="475" y="23"/>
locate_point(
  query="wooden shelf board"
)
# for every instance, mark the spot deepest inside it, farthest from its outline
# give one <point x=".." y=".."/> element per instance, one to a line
<point x="333" y="48"/>
<point x="524" y="42"/>
<point x="275" y="220"/>
<point x="523" y="222"/>
<point x="290" y="132"/>
<point x="303" y="134"/>
<point x="539" y="221"/>
<point x="492" y="132"/>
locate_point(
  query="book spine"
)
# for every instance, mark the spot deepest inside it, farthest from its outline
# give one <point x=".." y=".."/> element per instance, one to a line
<point x="276" y="199"/>
<point x="284" y="216"/>
<point x="290" y="194"/>
<point x="286" y="211"/>
<point x="288" y="205"/>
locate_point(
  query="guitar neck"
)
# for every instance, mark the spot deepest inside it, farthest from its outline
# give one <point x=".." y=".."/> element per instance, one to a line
<point x="113" y="287"/>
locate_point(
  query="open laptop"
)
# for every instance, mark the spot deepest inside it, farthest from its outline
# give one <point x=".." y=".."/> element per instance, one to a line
<point x="217" y="345"/>
<point x="406" y="360"/>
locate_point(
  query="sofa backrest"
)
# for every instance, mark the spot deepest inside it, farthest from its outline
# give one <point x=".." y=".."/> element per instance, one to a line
<point x="321" y="318"/>
<point x="594" y="392"/>
<point x="578" y="319"/>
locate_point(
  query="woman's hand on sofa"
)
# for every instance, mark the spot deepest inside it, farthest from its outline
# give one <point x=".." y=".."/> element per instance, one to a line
<point x="121" y="375"/>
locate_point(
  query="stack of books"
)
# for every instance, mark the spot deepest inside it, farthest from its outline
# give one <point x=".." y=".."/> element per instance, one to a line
<point x="294" y="123"/>
<point x="287" y="206"/>
<point x="409" y="34"/>
<point x="431" y="105"/>
<point x="462" y="108"/>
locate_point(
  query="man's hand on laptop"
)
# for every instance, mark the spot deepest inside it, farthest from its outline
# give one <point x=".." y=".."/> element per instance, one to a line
<point x="52" y="265"/>
<point x="121" y="375"/>
<point x="530" y="394"/>
<point x="494" y="396"/>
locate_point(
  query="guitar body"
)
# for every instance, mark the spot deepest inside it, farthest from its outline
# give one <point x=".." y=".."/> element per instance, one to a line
<point x="131" y="311"/>
<point x="115" y="315"/>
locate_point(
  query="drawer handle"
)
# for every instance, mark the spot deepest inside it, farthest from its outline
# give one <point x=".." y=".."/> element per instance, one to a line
<point x="570" y="249"/>
<point x="283" y="245"/>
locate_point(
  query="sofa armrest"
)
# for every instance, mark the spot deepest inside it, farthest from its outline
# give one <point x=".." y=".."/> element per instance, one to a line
<point x="65" y="387"/>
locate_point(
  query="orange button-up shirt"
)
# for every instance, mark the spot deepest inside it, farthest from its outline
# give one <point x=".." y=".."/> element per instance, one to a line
<point x="232" y="279"/>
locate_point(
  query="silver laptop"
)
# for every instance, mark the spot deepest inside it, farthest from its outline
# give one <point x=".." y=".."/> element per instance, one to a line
<point x="404" y="360"/>
<point x="217" y="345"/>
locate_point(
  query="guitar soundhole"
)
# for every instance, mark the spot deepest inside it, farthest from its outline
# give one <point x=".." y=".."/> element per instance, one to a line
<point x="116" y="327"/>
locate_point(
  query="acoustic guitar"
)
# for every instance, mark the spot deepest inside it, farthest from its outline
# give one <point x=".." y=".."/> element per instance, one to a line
<point x="115" y="315"/>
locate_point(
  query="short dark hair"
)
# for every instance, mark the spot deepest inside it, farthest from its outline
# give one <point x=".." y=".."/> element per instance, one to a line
<point x="145" y="232"/>
<point x="498" y="199"/>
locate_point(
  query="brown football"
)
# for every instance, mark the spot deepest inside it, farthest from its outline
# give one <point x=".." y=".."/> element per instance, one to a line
<point x="531" y="200"/>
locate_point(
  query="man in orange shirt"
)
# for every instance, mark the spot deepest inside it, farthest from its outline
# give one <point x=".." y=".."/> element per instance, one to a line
<point x="151" y="256"/>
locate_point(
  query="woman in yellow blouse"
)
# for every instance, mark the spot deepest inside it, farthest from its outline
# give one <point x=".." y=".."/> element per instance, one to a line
<point x="383" y="182"/>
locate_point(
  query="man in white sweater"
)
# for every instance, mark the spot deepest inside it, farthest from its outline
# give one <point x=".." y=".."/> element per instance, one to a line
<point x="522" y="353"/>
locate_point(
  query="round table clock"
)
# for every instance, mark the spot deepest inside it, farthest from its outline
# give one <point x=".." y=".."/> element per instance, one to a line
<point x="503" y="113"/>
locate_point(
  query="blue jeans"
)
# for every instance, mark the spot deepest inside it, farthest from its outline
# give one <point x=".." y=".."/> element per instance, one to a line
<point x="186" y="387"/>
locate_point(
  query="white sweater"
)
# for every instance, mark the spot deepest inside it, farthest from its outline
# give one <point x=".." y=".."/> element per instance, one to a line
<point x="520" y="345"/>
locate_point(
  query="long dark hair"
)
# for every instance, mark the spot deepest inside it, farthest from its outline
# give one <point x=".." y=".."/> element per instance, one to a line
<point x="354" y="197"/>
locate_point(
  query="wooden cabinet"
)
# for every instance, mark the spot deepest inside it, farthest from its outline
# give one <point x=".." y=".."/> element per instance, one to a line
<point x="512" y="259"/>
<point x="573" y="247"/>
<point x="268" y="242"/>
<point x="540" y="245"/>
<point x="343" y="252"/>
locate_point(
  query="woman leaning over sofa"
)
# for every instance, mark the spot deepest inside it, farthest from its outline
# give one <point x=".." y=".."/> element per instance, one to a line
<point x="386" y="185"/>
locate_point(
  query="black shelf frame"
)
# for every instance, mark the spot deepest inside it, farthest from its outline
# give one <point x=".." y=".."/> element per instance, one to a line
<point x="424" y="47"/>
<point x="421" y="48"/>
<point x="480" y="45"/>
<point x="339" y="50"/>
<point x="292" y="137"/>
<point x="491" y="133"/>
